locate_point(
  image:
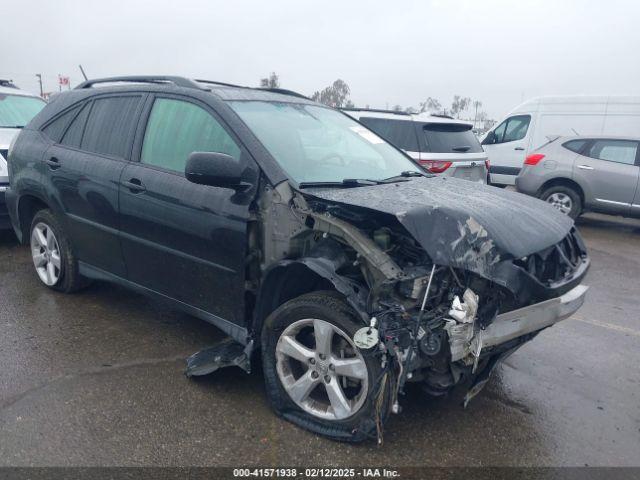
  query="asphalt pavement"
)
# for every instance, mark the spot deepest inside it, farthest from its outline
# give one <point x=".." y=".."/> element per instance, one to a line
<point x="96" y="378"/>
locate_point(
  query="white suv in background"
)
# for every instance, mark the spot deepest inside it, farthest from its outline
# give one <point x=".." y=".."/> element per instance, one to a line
<point x="438" y="143"/>
<point x="17" y="108"/>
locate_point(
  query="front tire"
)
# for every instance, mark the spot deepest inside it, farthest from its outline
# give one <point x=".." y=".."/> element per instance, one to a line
<point x="52" y="255"/>
<point x="315" y="376"/>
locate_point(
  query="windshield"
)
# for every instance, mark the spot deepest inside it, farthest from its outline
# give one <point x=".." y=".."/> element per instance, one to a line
<point x="317" y="144"/>
<point x="17" y="110"/>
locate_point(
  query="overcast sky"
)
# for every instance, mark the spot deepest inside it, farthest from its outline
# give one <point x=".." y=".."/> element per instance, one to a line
<point x="389" y="52"/>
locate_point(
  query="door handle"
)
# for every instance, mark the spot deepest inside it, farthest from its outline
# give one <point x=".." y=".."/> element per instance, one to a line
<point x="585" y="167"/>
<point x="520" y="149"/>
<point x="135" y="186"/>
<point x="53" y="163"/>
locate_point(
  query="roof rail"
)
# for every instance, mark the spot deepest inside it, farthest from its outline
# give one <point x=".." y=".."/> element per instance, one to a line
<point x="214" y="82"/>
<point x="376" y="110"/>
<point x="177" y="81"/>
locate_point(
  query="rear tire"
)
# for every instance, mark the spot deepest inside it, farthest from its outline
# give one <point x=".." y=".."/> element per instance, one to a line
<point x="351" y="421"/>
<point x="53" y="257"/>
<point x="565" y="199"/>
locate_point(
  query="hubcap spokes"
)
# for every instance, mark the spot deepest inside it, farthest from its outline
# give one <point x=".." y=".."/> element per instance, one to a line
<point x="561" y="201"/>
<point x="46" y="254"/>
<point x="328" y="380"/>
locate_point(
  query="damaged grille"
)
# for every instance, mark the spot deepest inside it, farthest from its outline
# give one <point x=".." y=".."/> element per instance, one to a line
<point x="556" y="263"/>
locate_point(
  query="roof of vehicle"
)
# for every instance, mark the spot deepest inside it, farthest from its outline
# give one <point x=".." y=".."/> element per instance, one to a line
<point x="16" y="91"/>
<point x="391" y="114"/>
<point x="566" y="138"/>
<point x="225" y="91"/>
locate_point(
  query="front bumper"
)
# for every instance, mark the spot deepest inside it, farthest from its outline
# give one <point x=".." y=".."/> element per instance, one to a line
<point x="514" y="324"/>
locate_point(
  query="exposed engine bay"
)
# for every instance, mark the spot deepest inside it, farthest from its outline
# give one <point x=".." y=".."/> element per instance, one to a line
<point x="438" y="308"/>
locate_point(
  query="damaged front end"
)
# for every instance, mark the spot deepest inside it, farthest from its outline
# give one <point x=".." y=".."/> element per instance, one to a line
<point x="443" y="294"/>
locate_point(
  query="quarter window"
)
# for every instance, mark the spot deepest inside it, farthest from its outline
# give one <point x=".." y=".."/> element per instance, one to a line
<point x="176" y="129"/>
<point x="575" y="145"/>
<point x="619" y="151"/>
<point x="55" y="129"/>
<point x="110" y="125"/>
<point x="73" y="136"/>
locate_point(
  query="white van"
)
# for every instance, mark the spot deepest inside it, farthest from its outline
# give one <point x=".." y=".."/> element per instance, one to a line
<point x="529" y="125"/>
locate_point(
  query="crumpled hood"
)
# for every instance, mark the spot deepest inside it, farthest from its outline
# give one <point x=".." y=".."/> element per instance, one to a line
<point x="460" y="223"/>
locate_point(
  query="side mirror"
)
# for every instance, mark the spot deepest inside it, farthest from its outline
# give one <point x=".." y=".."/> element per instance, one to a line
<point x="214" y="169"/>
<point x="489" y="139"/>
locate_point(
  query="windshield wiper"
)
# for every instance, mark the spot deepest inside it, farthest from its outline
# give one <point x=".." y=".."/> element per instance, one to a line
<point x="346" y="182"/>
<point x="362" y="182"/>
<point x="11" y="126"/>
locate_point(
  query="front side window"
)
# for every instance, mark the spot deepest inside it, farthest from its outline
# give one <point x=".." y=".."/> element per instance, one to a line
<point x="318" y="144"/>
<point x="176" y="129"/>
<point x="18" y="110"/>
<point x="110" y="126"/>
<point x="512" y="129"/>
<point x="401" y="133"/>
<point x="619" y="151"/>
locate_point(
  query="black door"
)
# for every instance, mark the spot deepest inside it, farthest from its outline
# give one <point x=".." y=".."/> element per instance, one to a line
<point x="182" y="240"/>
<point x="85" y="167"/>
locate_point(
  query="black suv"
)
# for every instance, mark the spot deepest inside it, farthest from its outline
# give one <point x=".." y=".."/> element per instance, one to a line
<point x="298" y="232"/>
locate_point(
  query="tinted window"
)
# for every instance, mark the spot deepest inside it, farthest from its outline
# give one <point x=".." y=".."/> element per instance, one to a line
<point x="401" y="133"/>
<point x="619" y="151"/>
<point x="450" y="138"/>
<point x="73" y="135"/>
<point x="176" y="129"/>
<point x="110" y="125"/>
<point x="55" y="129"/>
<point x="575" y="145"/>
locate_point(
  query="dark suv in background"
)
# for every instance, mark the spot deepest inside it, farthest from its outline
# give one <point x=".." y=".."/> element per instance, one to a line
<point x="299" y="233"/>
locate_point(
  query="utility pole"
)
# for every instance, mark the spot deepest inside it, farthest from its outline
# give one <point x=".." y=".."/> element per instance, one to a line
<point x="39" y="75"/>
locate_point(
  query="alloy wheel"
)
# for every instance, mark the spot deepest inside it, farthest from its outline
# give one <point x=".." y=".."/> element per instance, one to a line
<point x="46" y="254"/>
<point x="561" y="201"/>
<point x="321" y="369"/>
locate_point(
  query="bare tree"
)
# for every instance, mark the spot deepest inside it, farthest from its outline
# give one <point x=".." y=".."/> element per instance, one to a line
<point x="430" y="105"/>
<point x="476" y="104"/>
<point x="336" y="95"/>
<point x="459" y="105"/>
<point x="272" y="81"/>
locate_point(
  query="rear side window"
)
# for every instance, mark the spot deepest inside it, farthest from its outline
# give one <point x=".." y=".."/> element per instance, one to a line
<point x="73" y="136"/>
<point x="619" y="151"/>
<point x="176" y="129"/>
<point x="110" y="125"/>
<point x="55" y="129"/>
<point x="401" y="133"/>
<point x="450" y="138"/>
<point x="575" y="145"/>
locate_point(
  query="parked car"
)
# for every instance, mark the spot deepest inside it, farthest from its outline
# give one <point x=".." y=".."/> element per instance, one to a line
<point x="17" y="107"/>
<point x="577" y="174"/>
<point x="438" y="143"/>
<point x="529" y="126"/>
<point x="298" y="232"/>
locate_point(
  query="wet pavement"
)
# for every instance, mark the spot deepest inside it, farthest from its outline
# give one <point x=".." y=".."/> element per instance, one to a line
<point x="96" y="378"/>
